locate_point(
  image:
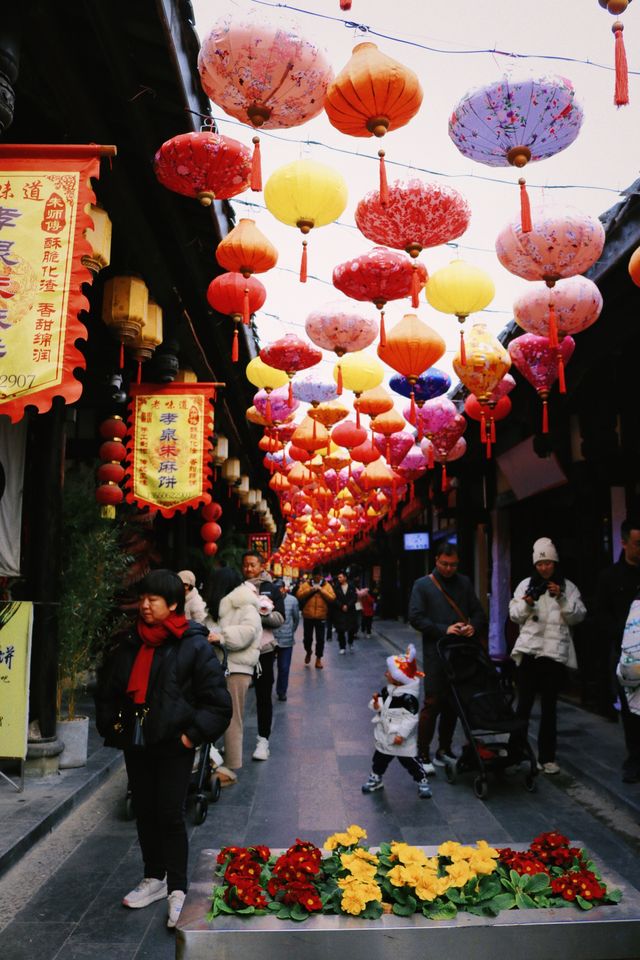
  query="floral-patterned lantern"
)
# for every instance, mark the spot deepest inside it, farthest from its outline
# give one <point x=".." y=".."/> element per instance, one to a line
<point x="340" y="328"/>
<point x="432" y="383"/>
<point x="460" y="289"/>
<point x="267" y="378"/>
<point x="306" y="194"/>
<point x="411" y="348"/>
<point x="379" y="276"/>
<point x="487" y="417"/>
<point x="615" y="8"/>
<point x="575" y="304"/>
<point x="485" y="364"/>
<point x="237" y="297"/>
<point x="433" y="417"/>
<point x="205" y="165"/>
<point x="387" y="424"/>
<point x="539" y="363"/>
<point x="413" y="466"/>
<point x="444" y="442"/>
<point x="311" y="389"/>
<point x="276" y="406"/>
<point x="515" y="122"/>
<point x="290" y="354"/>
<point x="246" y="250"/>
<point x="393" y="445"/>
<point x="372" y="95"/>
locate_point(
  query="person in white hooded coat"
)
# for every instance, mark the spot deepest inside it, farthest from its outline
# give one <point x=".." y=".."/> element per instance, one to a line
<point x="238" y="632"/>
<point x="545" y="606"/>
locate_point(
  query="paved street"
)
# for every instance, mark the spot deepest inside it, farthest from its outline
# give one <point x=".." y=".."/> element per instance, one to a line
<point x="62" y="900"/>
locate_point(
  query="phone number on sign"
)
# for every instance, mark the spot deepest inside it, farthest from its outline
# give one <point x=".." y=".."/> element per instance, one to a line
<point x="20" y="380"/>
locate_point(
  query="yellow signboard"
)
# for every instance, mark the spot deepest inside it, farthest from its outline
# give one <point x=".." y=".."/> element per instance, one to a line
<point x="15" y="650"/>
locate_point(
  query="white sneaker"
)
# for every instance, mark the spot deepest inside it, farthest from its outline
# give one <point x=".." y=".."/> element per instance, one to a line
<point x="261" y="751"/>
<point x="551" y="768"/>
<point x="148" y="891"/>
<point x="342" y="652"/>
<point x="175" y="902"/>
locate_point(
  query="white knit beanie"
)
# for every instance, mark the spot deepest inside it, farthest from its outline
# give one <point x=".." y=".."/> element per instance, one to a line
<point x="544" y="549"/>
<point x="187" y="576"/>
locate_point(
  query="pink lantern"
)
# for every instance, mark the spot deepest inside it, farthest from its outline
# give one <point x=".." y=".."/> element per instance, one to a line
<point x="413" y="466"/>
<point x="575" y="303"/>
<point x="541" y="364"/>
<point x="379" y="276"/>
<point x="276" y="406"/>
<point x="340" y="328"/>
<point x="395" y="447"/>
<point x="433" y="416"/>
<point x="205" y="165"/>
<point x="449" y="445"/>
<point x="502" y="388"/>
<point x="290" y="354"/>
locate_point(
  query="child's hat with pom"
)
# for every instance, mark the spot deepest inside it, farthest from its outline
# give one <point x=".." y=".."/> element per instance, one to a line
<point x="403" y="668"/>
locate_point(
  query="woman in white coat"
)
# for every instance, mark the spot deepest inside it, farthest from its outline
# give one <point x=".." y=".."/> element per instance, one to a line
<point x="238" y="631"/>
<point x="545" y="606"/>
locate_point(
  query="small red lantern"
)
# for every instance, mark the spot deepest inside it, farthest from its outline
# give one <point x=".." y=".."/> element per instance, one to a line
<point x="111" y="473"/>
<point x="210" y="549"/>
<point x="290" y="354"/>
<point x="211" y="511"/>
<point x="205" y="165"/>
<point x="238" y="297"/>
<point x="210" y="531"/>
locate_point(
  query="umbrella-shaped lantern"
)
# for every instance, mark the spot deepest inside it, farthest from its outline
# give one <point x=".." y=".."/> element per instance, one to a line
<point x="372" y="95"/>
<point x="306" y="194"/>
<point x="515" y="122"/>
<point x="372" y="403"/>
<point x="238" y="297"/>
<point x="245" y="249"/>
<point x="290" y="354"/>
<point x="387" y="424"/>
<point x="460" y="289"/>
<point x="411" y="348"/>
<point x="393" y="445"/>
<point x="379" y="276"/>
<point x="537" y="361"/>
<point x="205" y="165"/>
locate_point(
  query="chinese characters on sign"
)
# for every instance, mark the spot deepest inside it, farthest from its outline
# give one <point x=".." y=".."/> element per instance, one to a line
<point x="260" y="542"/>
<point x="169" y="451"/>
<point x="15" y="648"/>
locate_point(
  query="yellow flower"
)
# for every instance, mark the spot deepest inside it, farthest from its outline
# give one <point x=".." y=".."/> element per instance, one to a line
<point x="398" y="875"/>
<point x="349" y="838"/>
<point x="407" y="854"/>
<point x="483" y="847"/>
<point x="363" y="854"/>
<point x="352" y="903"/>
<point x="359" y="868"/>
<point x="449" y="849"/>
<point x="356" y="832"/>
<point x="443" y="884"/>
<point x="428" y="888"/>
<point x="481" y="863"/>
<point x="460" y="872"/>
<point x="356" y="894"/>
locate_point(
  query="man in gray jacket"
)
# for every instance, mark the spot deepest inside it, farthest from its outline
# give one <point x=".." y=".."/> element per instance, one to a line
<point x="442" y="603"/>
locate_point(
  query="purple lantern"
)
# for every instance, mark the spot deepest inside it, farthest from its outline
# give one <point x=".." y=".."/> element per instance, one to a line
<point x="432" y="383"/>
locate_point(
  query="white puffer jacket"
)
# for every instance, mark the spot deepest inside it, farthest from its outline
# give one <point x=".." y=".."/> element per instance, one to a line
<point x="545" y="628"/>
<point x="397" y="715"/>
<point x="240" y="625"/>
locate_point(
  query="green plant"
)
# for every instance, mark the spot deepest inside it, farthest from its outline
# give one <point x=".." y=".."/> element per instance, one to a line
<point x="91" y="573"/>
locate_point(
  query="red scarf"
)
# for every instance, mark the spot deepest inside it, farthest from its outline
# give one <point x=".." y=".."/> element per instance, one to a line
<point x="152" y="636"/>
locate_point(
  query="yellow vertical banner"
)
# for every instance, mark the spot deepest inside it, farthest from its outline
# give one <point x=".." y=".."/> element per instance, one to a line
<point x="16" y="621"/>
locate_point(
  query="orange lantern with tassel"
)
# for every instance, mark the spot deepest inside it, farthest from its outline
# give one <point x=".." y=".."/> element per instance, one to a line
<point x="237" y="297"/>
<point x="411" y="348"/>
<point x="387" y="424"/>
<point x="245" y="249"/>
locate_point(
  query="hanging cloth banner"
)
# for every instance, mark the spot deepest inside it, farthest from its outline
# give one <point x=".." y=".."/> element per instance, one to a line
<point x="15" y="651"/>
<point x="169" y="448"/>
<point x="44" y="197"/>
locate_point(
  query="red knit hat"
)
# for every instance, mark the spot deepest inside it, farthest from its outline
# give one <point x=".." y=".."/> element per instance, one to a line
<point x="404" y="669"/>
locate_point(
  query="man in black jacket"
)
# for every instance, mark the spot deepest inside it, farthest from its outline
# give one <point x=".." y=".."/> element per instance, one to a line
<point x="617" y="587"/>
<point x="442" y="603"/>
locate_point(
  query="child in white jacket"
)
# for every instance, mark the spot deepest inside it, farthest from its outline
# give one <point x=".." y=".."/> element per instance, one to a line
<point x="395" y="723"/>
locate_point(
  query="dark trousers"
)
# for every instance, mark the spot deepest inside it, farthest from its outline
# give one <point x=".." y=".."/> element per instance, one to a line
<point x="342" y="638"/>
<point x="263" y="685"/>
<point x="159" y="784"/>
<point x="437" y="704"/>
<point x="540" y="675"/>
<point x="366" y="623"/>
<point x="631" y="727"/>
<point x="309" y="628"/>
<point x="381" y="761"/>
<point x="284" y="665"/>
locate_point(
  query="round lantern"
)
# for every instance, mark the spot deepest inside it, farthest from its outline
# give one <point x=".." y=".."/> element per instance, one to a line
<point x="358" y="372"/>
<point x="348" y="434"/>
<point x="211" y="511"/>
<point x="487" y="417"/>
<point x="264" y="377"/>
<point x="238" y="297"/>
<point x="634" y="267"/>
<point x="411" y="348"/>
<point x="569" y="307"/>
<point x="372" y="403"/>
<point x="394" y="445"/>
<point x="340" y="328"/>
<point x="306" y="194"/>
<point x="460" y="289"/>
<point x="444" y="443"/>
<point x="205" y="165"/>
<point x="311" y="389"/>
<point x="276" y="406"/>
<point x="485" y="364"/>
<point x="541" y="364"/>
<point x="433" y="417"/>
<point x="290" y="354"/>
<point x="246" y="250"/>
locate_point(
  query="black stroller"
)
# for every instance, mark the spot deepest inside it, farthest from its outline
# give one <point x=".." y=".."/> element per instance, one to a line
<point x="483" y="702"/>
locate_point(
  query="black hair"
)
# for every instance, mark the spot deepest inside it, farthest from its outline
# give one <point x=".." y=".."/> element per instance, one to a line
<point x="631" y="523"/>
<point x="253" y="553"/>
<point x="446" y="549"/>
<point x="165" y="584"/>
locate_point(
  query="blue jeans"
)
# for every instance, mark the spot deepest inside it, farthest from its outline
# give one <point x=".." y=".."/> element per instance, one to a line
<point x="284" y="665"/>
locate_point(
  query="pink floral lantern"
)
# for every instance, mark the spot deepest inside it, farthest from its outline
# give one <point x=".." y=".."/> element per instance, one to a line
<point x="379" y="276"/>
<point x="340" y="328"/>
<point x="502" y="388"/>
<point x="539" y="363"/>
<point x="576" y="304"/>
<point x="432" y="416"/>
<point x="457" y="450"/>
<point x="395" y="447"/>
<point x="290" y="354"/>
<point x="275" y="406"/>
<point x="444" y="441"/>
<point x="412" y="466"/>
<point x="204" y="165"/>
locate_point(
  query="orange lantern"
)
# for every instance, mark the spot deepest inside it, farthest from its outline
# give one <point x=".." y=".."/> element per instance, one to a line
<point x="245" y="249"/>
<point x="310" y="435"/>
<point x="387" y="424"/>
<point x="411" y="348"/>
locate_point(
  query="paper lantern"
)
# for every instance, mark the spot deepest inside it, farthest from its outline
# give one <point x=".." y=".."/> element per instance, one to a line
<point x="365" y="453"/>
<point x="444" y="443"/>
<point x="432" y="417"/>
<point x="460" y="289"/>
<point x="615" y="8"/>
<point x="387" y="424"/>
<point x="238" y="297"/>
<point x="290" y="354"/>
<point x="310" y="435"/>
<point x="394" y="445"/>
<point x="348" y="434"/>
<point x="246" y="250"/>
<point x="514" y="122"/>
<point x="432" y="383"/>
<point x="266" y="378"/>
<point x="372" y="95"/>
<point x="311" y="389"/>
<point x="150" y="337"/>
<point x="204" y="165"/>
<point x="485" y="364"/>
<point x="502" y="388"/>
<point x="541" y="364"/>
<point x="124" y="309"/>
<point x="358" y="372"/>
<point x="412" y="346"/>
<point x="328" y="414"/>
<point x="574" y="303"/>
<point x="99" y="239"/>
<point x="113" y="430"/>
<point x="340" y="328"/>
<point x="487" y="416"/>
<point x="276" y="405"/>
<point x="306" y="194"/>
<point x="373" y="402"/>
<point x="634" y="267"/>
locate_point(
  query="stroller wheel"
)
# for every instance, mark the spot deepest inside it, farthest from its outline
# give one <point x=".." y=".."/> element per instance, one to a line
<point x="129" y="813"/>
<point x="481" y="788"/>
<point x="200" y="811"/>
<point x="216" y="789"/>
<point x="450" y="772"/>
<point x="530" y="783"/>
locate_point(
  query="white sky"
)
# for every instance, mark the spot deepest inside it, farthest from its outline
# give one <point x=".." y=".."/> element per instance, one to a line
<point x="605" y="154"/>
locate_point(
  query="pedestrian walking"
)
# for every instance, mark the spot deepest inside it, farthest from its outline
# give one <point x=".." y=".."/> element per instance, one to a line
<point x="442" y="604"/>
<point x="395" y="723"/>
<point x="253" y="570"/>
<point x="315" y="598"/>
<point x="345" y="615"/>
<point x="617" y="587"/>
<point x="367" y="607"/>
<point x="545" y="606"/>
<point x="221" y="582"/>
<point x="285" y="639"/>
<point x="160" y="694"/>
<point x="194" y="606"/>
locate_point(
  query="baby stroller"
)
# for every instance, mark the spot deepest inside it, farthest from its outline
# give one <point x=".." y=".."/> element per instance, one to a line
<point x="484" y="707"/>
<point x="204" y="786"/>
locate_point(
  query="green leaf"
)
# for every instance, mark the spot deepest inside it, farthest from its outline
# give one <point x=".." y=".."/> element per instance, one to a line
<point x="524" y="901"/>
<point x="488" y="888"/>
<point x="385" y="849"/>
<point x="400" y="894"/>
<point x="403" y="909"/>
<point x="515" y="878"/>
<point x="440" y="911"/>
<point x="274" y="906"/>
<point x="284" y="913"/>
<point x="372" y="911"/>
<point x="299" y="913"/>
<point x="584" y="904"/>
<point x="246" y="911"/>
<point x="223" y="907"/>
<point x="614" y="896"/>
<point x="454" y="895"/>
<point x="538" y="883"/>
<point x="508" y="884"/>
<point x="504" y="901"/>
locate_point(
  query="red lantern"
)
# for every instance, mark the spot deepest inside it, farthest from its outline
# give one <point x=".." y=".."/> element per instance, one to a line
<point x="210" y="531"/>
<point x="210" y="549"/>
<point x="348" y="434"/>
<point x="238" y="297"/>
<point x="110" y="474"/>
<point x="211" y="511"/>
<point x="109" y="495"/>
<point x="290" y="354"/>
<point x="205" y="165"/>
<point x="542" y="365"/>
<point x="487" y="415"/>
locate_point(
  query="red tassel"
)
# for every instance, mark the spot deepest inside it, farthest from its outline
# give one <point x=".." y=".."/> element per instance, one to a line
<point x="443" y="485"/>
<point x="139" y="374"/>
<point x="488" y="449"/>
<point x="383" y="332"/>
<point x="430" y="459"/>
<point x="553" y="326"/>
<point x="358" y="417"/>
<point x="229" y="492"/>
<point x="234" y="346"/>
<point x="412" y="412"/>
<point x="267" y="408"/>
<point x="314" y="432"/>
<point x="622" y="73"/>
<point x="256" y="166"/>
<point x="483" y="428"/>
<point x="412" y="491"/>
<point x="384" y="186"/>
<point x="303" y="263"/>
<point x="545" y="417"/>
<point x="373" y="440"/>
<point x="246" y="312"/>
<point x="121" y="355"/>
<point x="525" y="207"/>
<point x="415" y="288"/>
<point x="290" y="397"/>
<point x="562" y="385"/>
<point x="388" y="450"/>
<point x="493" y="430"/>
<point x="463" y="351"/>
<point x="339" y="380"/>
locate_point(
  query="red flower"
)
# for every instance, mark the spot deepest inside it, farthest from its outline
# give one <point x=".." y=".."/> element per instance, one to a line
<point x="261" y="853"/>
<point x="245" y="894"/>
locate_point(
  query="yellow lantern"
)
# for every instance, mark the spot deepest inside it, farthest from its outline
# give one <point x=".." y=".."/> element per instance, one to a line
<point x="460" y="289"/>
<point x="358" y="372"/>
<point x="264" y="377"/>
<point x="143" y="347"/>
<point x="99" y="239"/>
<point x="485" y="364"/>
<point x="305" y="194"/>
<point x="124" y="309"/>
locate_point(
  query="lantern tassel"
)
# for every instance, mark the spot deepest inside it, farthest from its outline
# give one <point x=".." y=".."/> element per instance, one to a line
<point x="545" y="417"/>
<point x="383" y="332"/>
<point x="388" y="450"/>
<point x="562" y="385"/>
<point x="412" y="411"/>
<point x="267" y="408"/>
<point x="384" y="186"/>
<point x="444" y="482"/>
<point x="339" y="380"/>
<point x="246" y="309"/>
<point x="415" y="288"/>
<point x="358" y="417"/>
<point x="488" y="451"/>
<point x="483" y="428"/>
<point x="373" y="440"/>
<point x="463" y="351"/>
<point x="412" y="491"/>
<point x="290" y="397"/>
<point x="525" y="207"/>
<point x="493" y="431"/>
<point x="430" y="459"/>
<point x="256" y="166"/>
<point x="553" y="326"/>
<point x="303" y="263"/>
<point x="139" y="374"/>
<point x="622" y="73"/>
<point x="314" y="432"/>
<point x="234" y="346"/>
<point x="121" y="355"/>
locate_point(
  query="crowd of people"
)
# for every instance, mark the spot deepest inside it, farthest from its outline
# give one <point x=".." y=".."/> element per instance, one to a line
<point x="180" y="677"/>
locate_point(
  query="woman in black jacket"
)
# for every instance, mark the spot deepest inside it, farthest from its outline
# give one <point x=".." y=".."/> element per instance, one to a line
<point x="344" y="615"/>
<point x="160" y="694"/>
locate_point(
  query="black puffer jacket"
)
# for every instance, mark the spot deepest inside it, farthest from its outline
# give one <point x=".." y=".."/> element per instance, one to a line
<point x="186" y="694"/>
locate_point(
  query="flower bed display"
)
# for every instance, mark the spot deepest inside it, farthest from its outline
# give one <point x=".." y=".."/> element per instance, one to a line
<point x="402" y="879"/>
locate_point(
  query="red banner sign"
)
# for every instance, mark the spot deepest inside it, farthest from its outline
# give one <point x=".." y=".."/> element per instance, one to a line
<point x="169" y="448"/>
<point x="44" y="195"/>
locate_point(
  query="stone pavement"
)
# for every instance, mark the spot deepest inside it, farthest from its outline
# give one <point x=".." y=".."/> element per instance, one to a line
<point x="62" y="900"/>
